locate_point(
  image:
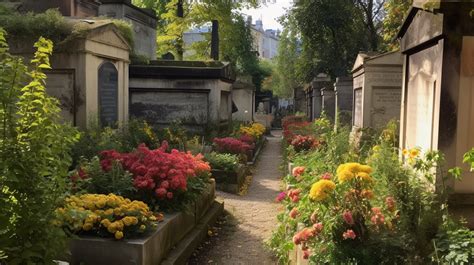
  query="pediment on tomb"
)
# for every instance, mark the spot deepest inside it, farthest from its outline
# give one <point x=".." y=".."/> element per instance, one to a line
<point x="109" y="35"/>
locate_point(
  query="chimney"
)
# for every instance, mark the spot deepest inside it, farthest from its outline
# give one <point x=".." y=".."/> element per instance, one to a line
<point x="249" y="20"/>
<point x="215" y="40"/>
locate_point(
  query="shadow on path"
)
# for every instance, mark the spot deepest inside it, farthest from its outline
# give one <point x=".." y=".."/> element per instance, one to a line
<point x="248" y="220"/>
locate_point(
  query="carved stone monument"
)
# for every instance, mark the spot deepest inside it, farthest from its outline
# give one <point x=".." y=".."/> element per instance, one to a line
<point x="344" y="100"/>
<point x="314" y="97"/>
<point x="196" y="93"/>
<point x="328" y="96"/>
<point x="377" y="89"/>
<point x="438" y="89"/>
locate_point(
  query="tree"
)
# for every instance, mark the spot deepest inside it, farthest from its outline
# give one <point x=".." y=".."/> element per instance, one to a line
<point x="332" y="33"/>
<point x="373" y="14"/>
<point x="285" y="69"/>
<point x="396" y="11"/>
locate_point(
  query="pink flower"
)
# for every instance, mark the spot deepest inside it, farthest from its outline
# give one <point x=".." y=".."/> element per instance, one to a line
<point x="294" y="213"/>
<point x="298" y="171"/>
<point x="318" y="227"/>
<point x="347" y="216"/>
<point x="326" y="175"/>
<point x="377" y="218"/>
<point x="281" y="196"/>
<point x="391" y="204"/>
<point x="349" y="234"/>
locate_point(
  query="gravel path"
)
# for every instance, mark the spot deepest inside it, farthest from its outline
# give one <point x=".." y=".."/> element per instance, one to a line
<point x="249" y="219"/>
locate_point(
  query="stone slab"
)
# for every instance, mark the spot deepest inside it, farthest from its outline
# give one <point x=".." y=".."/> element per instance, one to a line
<point x="182" y="251"/>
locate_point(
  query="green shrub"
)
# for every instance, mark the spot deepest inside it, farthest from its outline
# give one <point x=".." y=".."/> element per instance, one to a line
<point x="90" y="178"/>
<point x="226" y="162"/>
<point x="34" y="159"/>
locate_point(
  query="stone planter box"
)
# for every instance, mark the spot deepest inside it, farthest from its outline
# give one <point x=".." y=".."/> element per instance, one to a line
<point x="230" y="181"/>
<point x="256" y="152"/>
<point x="151" y="249"/>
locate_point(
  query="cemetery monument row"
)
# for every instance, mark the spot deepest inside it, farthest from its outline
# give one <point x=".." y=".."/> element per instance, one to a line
<point x="313" y="95"/>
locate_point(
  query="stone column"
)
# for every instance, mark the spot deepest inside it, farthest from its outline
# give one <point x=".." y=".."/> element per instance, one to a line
<point x="344" y="98"/>
<point x="329" y="101"/>
<point x="322" y="80"/>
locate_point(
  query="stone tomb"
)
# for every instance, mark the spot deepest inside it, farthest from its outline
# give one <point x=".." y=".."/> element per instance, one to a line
<point x="313" y="95"/>
<point x="328" y="98"/>
<point x="377" y="89"/>
<point x="89" y="73"/>
<point x="344" y="100"/>
<point x="198" y="94"/>
<point x="243" y="96"/>
<point x="438" y="88"/>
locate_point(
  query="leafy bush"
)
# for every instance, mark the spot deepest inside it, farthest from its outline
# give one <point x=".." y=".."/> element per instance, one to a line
<point x="34" y="159"/>
<point x="91" y="178"/>
<point x="226" y="162"/>
<point x="126" y="138"/>
<point x="454" y="245"/>
<point x="104" y="216"/>
<point x="162" y="179"/>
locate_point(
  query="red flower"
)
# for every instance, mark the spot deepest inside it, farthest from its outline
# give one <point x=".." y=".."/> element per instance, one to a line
<point x="347" y="216"/>
<point x="298" y="171"/>
<point x="349" y="234"/>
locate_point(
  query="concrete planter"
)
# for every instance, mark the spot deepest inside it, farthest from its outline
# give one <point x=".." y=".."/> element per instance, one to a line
<point x="152" y="249"/>
<point x="257" y="151"/>
<point x="230" y="181"/>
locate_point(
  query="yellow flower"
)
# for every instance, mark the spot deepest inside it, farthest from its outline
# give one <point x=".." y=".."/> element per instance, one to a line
<point x="105" y="222"/>
<point x="405" y="152"/>
<point x="352" y="167"/>
<point x="364" y="176"/>
<point x="376" y="148"/>
<point x="414" y="152"/>
<point x="118" y="235"/>
<point x="321" y="189"/>
<point x="87" y="226"/>
<point x="340" y="168"/>
<point x="142" y="228"/>
<point x="345" y="175"/>
<point x="129" y="220"/>
<point x="365" y="169"/>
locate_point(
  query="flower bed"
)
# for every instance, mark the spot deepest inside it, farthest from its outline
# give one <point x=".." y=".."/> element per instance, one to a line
<point x="227" y="171"/>
<point x="151" y="249"/>
<point x="347" y="205"/>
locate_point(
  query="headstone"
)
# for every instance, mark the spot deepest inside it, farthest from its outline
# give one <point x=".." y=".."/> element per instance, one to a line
<point x="437" y="99"/>
<point x="197" y="93"/>
<point x="314" y="97"/>
<point x="344" y="100"/>
<point x="377" y="89"/>
<point x="108" y="94"/>
<point x="260" y="108"/>
<point x="329" y="102"/>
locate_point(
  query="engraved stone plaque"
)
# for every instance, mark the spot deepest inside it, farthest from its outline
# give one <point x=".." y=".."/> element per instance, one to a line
<point x="358" y="107"/>
<point x="386" y="102"/>
<point x="108" y="94"/>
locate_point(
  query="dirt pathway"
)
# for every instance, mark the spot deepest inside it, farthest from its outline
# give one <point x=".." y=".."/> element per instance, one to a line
<point x="249" y="219"/>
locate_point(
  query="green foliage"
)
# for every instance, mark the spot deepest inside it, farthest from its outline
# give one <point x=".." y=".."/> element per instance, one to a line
<point x="418" y="229"/>
<point x="332" y="33"/>
<point x="396" y="11"/>
<point x="454" y="245"/>
<point x="34" y="159"/>
<point x="226" y="162"/>
<point x="30" y="26"/>
<point x="126" y="138"/>
<point x="469" y="159"/>
<point x="285" y="72"/>
<point x="97" y="181"/>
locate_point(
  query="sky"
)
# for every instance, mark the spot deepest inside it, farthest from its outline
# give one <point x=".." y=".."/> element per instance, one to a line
<point x="269" y="13"/>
